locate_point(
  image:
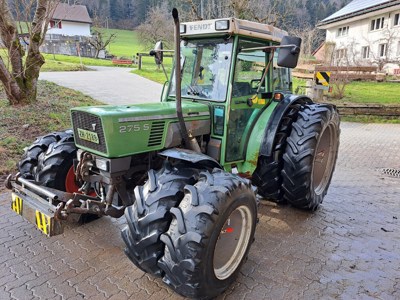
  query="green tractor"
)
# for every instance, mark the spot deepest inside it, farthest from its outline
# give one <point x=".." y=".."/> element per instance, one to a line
<point x="186" y="171"/>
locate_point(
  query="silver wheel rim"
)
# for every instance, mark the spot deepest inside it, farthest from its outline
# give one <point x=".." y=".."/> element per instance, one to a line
<point x="232" y="242"/>
<point x="324" y="160"/>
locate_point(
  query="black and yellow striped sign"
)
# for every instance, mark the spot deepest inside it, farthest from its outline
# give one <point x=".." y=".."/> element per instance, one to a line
<point x="43" y="222"/>
<point x="16" y="204"/>
<point x="322" y="78"/>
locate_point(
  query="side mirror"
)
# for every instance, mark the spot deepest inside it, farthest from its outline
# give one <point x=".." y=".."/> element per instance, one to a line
<point x="157" y="52"/>
<point x="289" y="53"/>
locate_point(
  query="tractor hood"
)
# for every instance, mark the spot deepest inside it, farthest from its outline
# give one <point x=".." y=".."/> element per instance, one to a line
<point x="118" y="131"/>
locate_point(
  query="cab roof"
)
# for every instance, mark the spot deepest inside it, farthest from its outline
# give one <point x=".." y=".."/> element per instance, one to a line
<point x="232" y="26"/>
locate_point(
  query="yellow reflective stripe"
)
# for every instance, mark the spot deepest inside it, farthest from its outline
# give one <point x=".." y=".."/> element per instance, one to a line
<point x="38" y="220"/>
<point x="44" y="219"/>
<point x="42" y="222"/>
<point x="16" y="204"/>
<point x="323" y="80"/>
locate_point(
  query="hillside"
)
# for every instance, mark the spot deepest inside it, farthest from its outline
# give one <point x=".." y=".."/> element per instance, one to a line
<point x="127" y="14"/>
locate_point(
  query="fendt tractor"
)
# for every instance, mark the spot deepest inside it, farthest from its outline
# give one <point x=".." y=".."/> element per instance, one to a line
<point x="186" y="171"/>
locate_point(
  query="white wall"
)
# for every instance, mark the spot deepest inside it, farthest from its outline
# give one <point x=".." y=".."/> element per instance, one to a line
<point x="71" y="29"/>
<point x="360" y="35"/>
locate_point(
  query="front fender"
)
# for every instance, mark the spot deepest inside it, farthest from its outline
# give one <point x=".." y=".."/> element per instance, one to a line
<point x="192" y="157"/>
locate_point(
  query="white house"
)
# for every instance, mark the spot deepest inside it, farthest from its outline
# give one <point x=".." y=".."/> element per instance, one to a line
<point x="69" y="31"/>
<point x="366" y="32"/>
<point x="70" y="20"/>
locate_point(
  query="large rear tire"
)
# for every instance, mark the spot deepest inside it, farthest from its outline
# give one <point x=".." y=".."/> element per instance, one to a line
<point x="267" y="177"/>
<point x="210" y="235"/>
<point x="149" y="216"/>
<point x="310" y="156"/>
<point x="29" y="160"/>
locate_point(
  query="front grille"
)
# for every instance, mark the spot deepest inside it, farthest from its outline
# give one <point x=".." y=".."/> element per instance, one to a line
<point x="156" y="133"/>
<point x="86" y="121"/>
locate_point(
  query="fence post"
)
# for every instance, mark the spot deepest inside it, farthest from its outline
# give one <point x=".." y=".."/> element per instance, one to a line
<point x="140" y="61"/>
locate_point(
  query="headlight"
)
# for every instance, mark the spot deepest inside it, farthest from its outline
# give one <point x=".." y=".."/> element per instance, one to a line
<point x="102" y="164"/>
<point x="222" y="25"/>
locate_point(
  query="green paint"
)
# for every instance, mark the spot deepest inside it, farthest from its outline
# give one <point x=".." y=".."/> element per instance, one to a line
<point x="130" y="130"/>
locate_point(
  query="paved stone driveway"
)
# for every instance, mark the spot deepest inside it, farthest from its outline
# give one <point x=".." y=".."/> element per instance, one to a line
<point x="111" y="85"/>
<point x="348" y="249"/>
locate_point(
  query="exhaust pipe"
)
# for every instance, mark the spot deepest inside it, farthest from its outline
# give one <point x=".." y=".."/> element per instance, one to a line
<point x="190" y="142"/>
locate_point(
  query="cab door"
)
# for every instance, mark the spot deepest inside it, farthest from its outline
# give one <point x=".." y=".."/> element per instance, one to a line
<point x="245" y="105"/>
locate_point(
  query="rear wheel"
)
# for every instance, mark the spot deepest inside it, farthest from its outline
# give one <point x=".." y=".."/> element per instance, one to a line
<point x="267" y="176"/>
<point x="310" y="156"/>
<point x="210" y="235"/>
<point x="149" y="216"/>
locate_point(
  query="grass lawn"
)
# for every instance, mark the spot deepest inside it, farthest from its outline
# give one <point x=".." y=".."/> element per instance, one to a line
<point x="367" y="92"/>
<point x="50" y="58"/>
<point x="372" y="92"/>
<point x="20" y="125"/>
<point x="126" y="43"/>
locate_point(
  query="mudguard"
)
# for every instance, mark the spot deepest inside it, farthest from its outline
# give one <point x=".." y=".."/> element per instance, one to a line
<point x="262" y="137"/>
<point x="275" y="119"/>
<point x="191" y="156"/>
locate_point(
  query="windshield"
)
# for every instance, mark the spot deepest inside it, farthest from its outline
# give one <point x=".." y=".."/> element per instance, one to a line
<point x="205" y="69"/>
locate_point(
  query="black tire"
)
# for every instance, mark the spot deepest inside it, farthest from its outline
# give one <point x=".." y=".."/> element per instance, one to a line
<point x="54" y="164"/>
<point x="195" y="265"/>
<point x="310" y="156"/>
<point x="267" y="177"/>
<point x="29" y="159"/>
<point x="149" y="216"/>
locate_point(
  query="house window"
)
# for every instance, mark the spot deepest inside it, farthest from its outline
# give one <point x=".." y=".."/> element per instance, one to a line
<point x="382" y="50"/>
<point x="365" y="52"/>
<point x="343" y="31"/>
<point x="377" y="23"/>
<point x="341" y="53"/>
<point x="396" y="20"/>
<point x="55" y="24"/>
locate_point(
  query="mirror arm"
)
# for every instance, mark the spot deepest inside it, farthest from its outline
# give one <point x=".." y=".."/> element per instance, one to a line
<point x="269" y="48"/>
<point x="265" y="72"/>
<point x="154" y="50"/>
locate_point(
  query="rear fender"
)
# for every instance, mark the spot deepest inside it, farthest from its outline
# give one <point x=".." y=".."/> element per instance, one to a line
<point x="271" y="129"/>
<point x="262" y="137"/>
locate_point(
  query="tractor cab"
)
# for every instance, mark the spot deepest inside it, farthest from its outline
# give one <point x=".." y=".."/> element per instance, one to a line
<point x="235" y="67"/>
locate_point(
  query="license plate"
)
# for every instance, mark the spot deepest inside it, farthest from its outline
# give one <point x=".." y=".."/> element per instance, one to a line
<point x="88" y="136"/>
<point x="16" y="204"/>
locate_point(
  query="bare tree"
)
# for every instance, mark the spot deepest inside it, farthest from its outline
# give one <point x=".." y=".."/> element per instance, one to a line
<point x="19" y="74"/>
<point x="100" y="41"/>
<point x="381" y="52"/>
<point x="340" y="63"/>
<point x="158" y="26"/>
<point x="308" y="35"/>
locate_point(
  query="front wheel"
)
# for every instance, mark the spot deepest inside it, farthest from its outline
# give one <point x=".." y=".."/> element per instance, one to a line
<point x="310" y="155"/>
<point x="55" y="166"/>
<point x="210" y="235"/>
